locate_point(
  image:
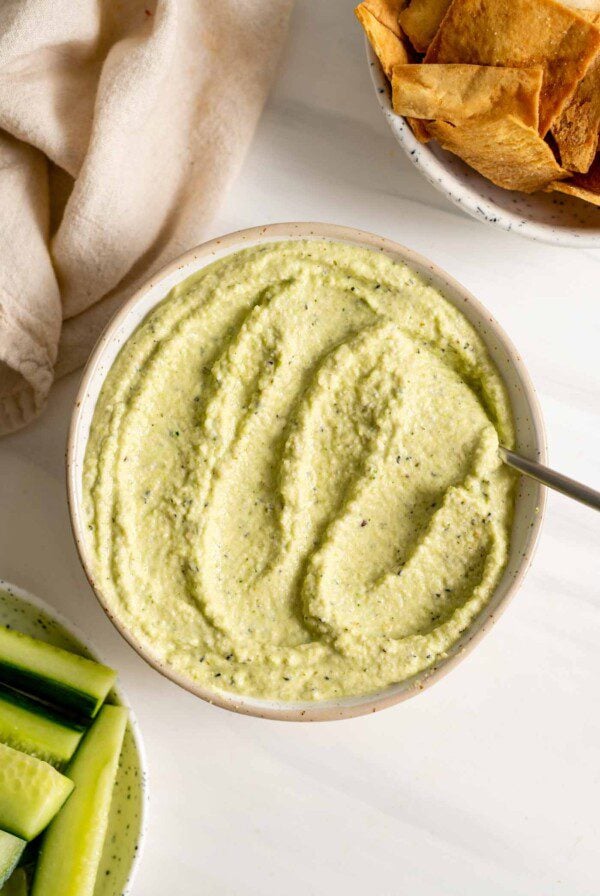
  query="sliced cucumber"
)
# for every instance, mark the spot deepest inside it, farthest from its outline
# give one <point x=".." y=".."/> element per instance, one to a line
<point x="11" y="850"/>
<point x="50" y="673"/>
<point x="31" y="793"/>
<point x="72" y="846"/>
<point x="16" y="885"/>
<point x="34" y="728"/>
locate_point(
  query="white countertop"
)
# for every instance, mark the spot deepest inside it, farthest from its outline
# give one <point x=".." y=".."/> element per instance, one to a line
<point x="489" y="782"/>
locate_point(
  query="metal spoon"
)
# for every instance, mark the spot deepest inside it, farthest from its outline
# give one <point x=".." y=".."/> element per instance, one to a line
<point x="551" y="478"/>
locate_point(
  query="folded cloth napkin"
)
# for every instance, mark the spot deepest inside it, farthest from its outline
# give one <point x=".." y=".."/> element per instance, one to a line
<point x="122" y="122"/>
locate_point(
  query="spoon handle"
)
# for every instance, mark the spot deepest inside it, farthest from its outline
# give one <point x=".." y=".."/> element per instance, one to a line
<point x="551" y="478"/>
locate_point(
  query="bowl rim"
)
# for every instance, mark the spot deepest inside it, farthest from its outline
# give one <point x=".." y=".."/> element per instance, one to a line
<point x="464" y="196"/>
<point x="77" y="633"/>
<point x="228" y="244"/>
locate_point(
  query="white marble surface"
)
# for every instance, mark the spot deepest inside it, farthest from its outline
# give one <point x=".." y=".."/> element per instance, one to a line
<point x="489" y="782"/>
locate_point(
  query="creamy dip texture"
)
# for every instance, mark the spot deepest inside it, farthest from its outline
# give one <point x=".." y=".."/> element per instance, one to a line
<point x="292" y="487"/>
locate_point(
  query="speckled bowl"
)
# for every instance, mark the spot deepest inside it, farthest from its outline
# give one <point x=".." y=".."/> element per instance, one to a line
<point x="531" y="442"/>
<point x="547" y="217"/>
<point x="33" y="616"/>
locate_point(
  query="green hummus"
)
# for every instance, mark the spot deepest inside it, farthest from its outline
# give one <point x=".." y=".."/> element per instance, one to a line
<point x="292" y="487"/>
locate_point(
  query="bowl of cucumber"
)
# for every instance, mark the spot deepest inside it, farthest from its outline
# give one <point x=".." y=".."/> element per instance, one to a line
<point x="73" y="786"/>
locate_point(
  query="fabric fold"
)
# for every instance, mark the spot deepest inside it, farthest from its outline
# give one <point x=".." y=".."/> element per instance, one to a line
<point x="144" y="111"/>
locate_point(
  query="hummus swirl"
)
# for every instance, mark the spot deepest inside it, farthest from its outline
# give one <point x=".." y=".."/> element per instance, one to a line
<point x="291" y="484"/>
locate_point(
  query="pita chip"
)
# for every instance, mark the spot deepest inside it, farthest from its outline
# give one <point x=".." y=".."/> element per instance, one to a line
<point x="421" y="20"/>
<point x="389" y="48"/>
<point x="583" y="186"/>
<point x="386" y="12"/>
<point x="521" y="34"/>
<point x="419" y="129"/>
<point x="506" y="151"/>
<point x="458" y="93"/>
<point x="576" y="129"/>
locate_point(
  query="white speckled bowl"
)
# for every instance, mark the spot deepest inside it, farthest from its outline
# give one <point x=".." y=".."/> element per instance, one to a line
<point x="124" y="840"/>
<point x="546" y="217"/>
<point x="531" y="442"/>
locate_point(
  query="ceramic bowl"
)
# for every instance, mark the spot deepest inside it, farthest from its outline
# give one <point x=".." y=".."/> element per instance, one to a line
<point x="29" y="614"/>
<point x="546" y="217"/>
<point x="530" y="441"/>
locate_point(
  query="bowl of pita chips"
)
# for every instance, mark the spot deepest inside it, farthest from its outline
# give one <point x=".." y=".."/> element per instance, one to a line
<point x="497" y="102"/>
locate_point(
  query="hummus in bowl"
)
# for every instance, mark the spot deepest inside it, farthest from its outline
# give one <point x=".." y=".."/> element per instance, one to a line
<point x="283" y="471"/>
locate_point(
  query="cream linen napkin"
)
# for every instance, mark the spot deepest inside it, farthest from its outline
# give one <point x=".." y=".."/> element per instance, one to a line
<point x="122" y="123"/>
